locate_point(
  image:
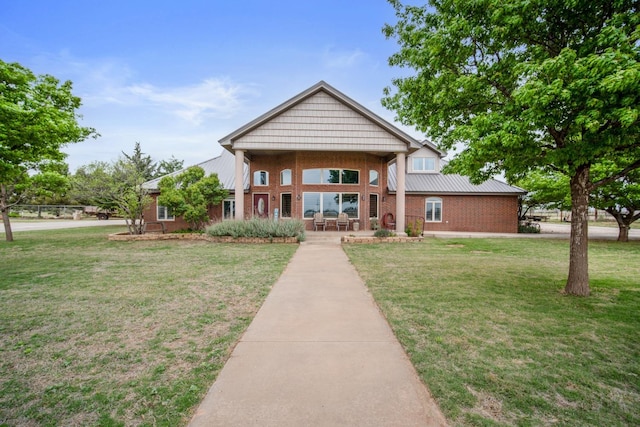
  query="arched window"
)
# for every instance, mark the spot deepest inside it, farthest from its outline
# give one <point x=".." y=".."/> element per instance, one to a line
<point x="285" y="177"/>
<point x="261" y="178"/>
<point x="373" y="177"/>
<point x="433" y="211"/>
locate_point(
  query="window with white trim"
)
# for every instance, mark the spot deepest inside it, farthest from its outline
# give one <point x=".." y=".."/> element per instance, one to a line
<point x="330" y="176"/>
<point x="163" y="214"/>
<point x="261" y="178"/>
<point x="373" y="177"/>
<point x="331" y="204"/>
<point x="285" y="177"/>
<point x="433" y="211"/>
<point x="285" y="205"/>
<point x="423" y="164"/>
<point x="229" y="209"/>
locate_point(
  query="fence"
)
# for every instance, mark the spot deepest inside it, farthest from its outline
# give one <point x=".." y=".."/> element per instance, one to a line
<point x="45" y="211"/>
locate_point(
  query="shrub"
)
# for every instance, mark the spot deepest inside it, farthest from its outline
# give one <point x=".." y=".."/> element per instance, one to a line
<point x="262" y="228"/>
<point x="529" y="228"/>
<point x="414" y="228"/>
<point x="383" y="232"/>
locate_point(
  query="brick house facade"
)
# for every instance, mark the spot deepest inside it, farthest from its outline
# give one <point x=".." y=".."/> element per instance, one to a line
<point x="322" y="151"/>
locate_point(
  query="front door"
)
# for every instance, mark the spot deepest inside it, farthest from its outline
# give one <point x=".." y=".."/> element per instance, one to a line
<point x="261" y="205"/>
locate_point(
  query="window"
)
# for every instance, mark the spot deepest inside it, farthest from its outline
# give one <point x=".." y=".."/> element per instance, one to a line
<point x="163" y="214"/>
<point x="373" y="206"/>
<point x="423" y="164"/>
<point x="285" y="177"/>
<point x="229" y="209"/>
<point x="330" y="176"/>
<point x="285" y="205"/>
<point x="434" y="209"/>
<point x="350" y="176"/>
<point x="331" y="204"/>
<point x="373" y="177"/>
<point x="261" y="178"/>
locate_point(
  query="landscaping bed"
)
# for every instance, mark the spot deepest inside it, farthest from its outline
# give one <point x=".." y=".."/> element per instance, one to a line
<point x="199" y="236"/>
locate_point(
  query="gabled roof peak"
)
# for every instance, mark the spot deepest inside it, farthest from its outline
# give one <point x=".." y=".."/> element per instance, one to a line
<point x="322" y="86"/>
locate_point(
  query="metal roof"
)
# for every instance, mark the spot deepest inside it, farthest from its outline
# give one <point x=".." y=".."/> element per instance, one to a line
<point x="438" y="183"/>
<point x="223" y="165"/>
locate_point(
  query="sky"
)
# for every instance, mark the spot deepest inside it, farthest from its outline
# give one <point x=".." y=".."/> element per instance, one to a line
<point x="178" y="76"/>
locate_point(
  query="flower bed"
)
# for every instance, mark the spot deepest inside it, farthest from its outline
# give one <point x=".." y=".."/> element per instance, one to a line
<point x="197" y="236"/>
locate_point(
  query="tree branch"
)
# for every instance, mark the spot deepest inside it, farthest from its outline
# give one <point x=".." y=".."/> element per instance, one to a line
<point x="619" y="174"/>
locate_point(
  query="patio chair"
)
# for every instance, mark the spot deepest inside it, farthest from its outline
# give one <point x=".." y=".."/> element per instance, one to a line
<point x="319" y="221"/>
<point x="343" y="220"/>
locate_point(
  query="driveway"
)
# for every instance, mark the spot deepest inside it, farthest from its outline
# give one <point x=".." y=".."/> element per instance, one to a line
<point x="595" y="232"/>
<point x="56" y="224"/>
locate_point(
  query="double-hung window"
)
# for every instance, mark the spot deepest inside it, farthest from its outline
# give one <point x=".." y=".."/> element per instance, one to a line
<point x="433" y="211"/>
<point x="163" y="214"/>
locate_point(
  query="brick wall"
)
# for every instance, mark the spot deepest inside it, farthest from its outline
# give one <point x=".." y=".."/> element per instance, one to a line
<point x="482" y="213"/>
<point x="488" y="213"/>
<point x="150" y="215"/>
<point x="299" y="161"/>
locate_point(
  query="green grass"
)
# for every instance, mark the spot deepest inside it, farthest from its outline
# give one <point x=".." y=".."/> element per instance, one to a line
<point x="94" y="332"/>
<point x="490" y="332"/>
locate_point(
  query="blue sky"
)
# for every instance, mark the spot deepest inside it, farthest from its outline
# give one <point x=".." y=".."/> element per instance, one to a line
<point x="177" y="76"/>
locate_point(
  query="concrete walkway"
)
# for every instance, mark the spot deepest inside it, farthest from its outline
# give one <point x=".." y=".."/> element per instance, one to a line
<point x="318" y="353"/>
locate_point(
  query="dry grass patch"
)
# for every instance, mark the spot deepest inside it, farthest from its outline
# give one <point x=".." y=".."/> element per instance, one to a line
<point x="121" y="333"/>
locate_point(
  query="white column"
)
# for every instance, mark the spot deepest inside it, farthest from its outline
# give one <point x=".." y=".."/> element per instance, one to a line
<point x="239" y="187"/>
<point x="400" y="202"/>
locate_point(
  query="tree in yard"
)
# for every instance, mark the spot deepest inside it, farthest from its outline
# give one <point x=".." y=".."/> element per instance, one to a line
<point x="190" y="194"/>
<point x="620" y="197"/>
<point x="165" y="167"/>
<point x="548" y="190"/>
<point x="142" y="163"/>
<point x="523" y="85"/>
<point x="37" y="118"/>
<point x="114" y="186"/>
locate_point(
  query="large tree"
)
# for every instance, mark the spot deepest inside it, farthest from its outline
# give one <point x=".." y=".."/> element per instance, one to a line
<point x="521" y="85"/>
<point x="38" y="116"/>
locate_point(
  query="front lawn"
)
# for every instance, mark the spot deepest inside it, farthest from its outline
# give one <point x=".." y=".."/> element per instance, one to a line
<point x="94" y="332"/>
<point x="490" y="332"/>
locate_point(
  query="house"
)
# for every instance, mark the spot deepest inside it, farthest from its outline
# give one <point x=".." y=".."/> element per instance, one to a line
<point x="321" y="151"/>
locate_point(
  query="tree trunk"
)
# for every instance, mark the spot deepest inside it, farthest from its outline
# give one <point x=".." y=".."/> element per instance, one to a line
<point x="578" y="280"/>
<point x="623" y="232"/>
<point x="5" y="213"/>
<point x="7" y="225"/>
<point x="624" y="222"/>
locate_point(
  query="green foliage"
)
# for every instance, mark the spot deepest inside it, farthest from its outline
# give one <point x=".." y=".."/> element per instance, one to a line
<point x="415" y="227"/>
<point x="521" y="84"/>
<point x="529" y="228"/>
<point x="383" y="232"/>
<point x="545" y="190"/>
<point x="114" y="186"/>
<point x="256" y="227"/>
<point x="524" y="85"/>
<point x="166" y="167"/>
<point x="37" y="118"/>
<point x="619" y="197"/>
<point x="190" y="194"/>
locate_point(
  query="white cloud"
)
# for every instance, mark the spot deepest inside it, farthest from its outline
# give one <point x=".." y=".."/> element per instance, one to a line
<point x="213" y="98"/>
<point x="342" y="59"/>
